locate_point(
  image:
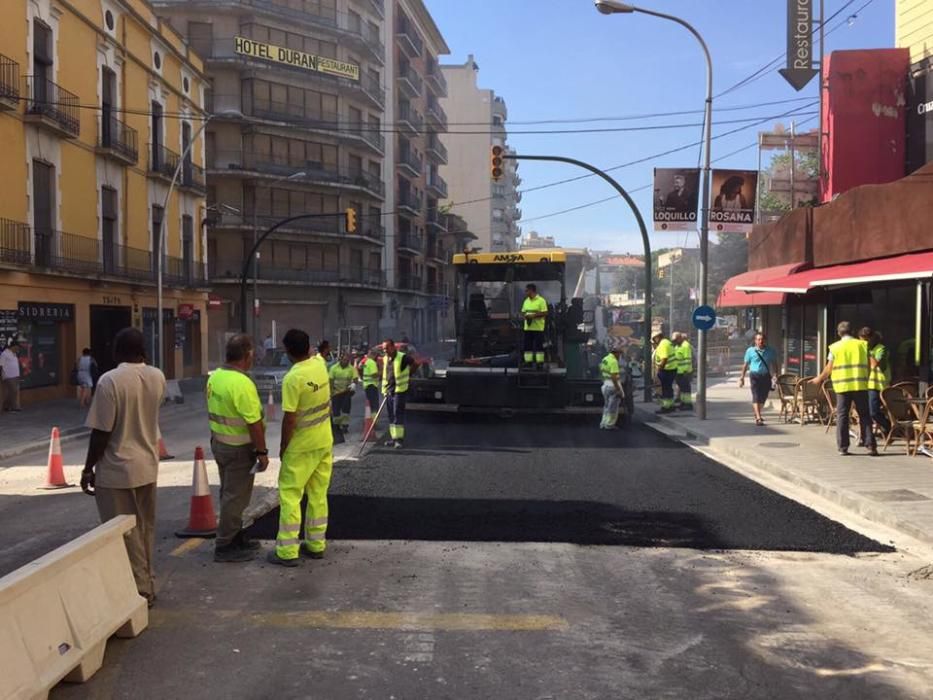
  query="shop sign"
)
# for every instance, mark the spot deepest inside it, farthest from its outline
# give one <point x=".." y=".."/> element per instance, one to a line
<point x="185" y="311"/>
<point x="9" y="326"/>
<point x="149" y="315"/>
<point x="294" y="58"/>
<point x="40" y="311"/>
<point x="214" y="301"/>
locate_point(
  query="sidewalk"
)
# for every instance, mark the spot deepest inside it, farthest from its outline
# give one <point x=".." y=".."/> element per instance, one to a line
<point x="893" y="489"/>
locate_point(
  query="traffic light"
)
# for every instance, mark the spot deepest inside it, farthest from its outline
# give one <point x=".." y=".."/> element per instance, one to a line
<point x="495" y="163"/>
<point x="351" y="220"/>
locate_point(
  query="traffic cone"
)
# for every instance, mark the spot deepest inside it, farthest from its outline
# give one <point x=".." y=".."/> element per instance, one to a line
<point x="270" y="407"/>
<point x="368" y="424"/>
<point x="55" y="476"/>
<point x="201" y="522"/>
<point x="163" y="452"/>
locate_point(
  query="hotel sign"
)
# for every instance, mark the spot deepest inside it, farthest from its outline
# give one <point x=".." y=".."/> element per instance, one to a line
<point x="294" y="58"/>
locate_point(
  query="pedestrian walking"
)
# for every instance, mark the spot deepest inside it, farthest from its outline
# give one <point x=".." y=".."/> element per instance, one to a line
<point x="238" y="442"/>
<point x="122" y="461"/>
<point x="760" y="365"/>
<point x="848" y="368"/>
<point x="268" y="345"/>
<point x="683" y="356"/>
<point x="307" y="453"/>
<point x="534" y="311"/>
<point x="612" y="389"/>
<point x="879" y="376"/>
<point x="396" y="370"/>
<point x="370" y="371"/>
<point x="667" y="370"/>
<point x="85" y="371"/>
<point x="342" y="378"/>
<point x="10" y="376"/>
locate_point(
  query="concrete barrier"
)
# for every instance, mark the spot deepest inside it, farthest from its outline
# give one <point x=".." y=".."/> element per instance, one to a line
<point x="57" y="612"/>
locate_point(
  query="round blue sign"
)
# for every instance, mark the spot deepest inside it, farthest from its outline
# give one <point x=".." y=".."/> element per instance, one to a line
<point x="704" y="317"/>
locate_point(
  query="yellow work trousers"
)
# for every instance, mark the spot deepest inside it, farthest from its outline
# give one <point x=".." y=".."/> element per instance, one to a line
<point x="303" y="473"/>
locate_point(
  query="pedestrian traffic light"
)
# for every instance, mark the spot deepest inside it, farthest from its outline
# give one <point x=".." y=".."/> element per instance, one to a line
<point x="351" y="220"/>
<point x="495" y="163"/>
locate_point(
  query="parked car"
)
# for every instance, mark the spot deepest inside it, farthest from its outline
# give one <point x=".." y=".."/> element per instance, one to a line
<point x="269" y="372"/>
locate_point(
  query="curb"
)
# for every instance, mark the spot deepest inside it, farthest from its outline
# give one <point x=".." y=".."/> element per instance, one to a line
<point x="851" y="501"/>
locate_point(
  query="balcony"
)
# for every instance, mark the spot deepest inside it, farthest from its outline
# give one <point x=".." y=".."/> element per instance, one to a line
<point x="52" y="107"/>
<point x="436" y="250"/>
<point x="437" y="185"/>
<point x="409" y="119"/>
<point x="436" y="114"/>
<point x="436" y="220"/>
<point x="499" y="108"/>
<point x="410" y="282"/>
<point x="370" y="87"/>
<point x="409" y="203"/>
<point x="514" y="213"/>
<point x="410" y="242"/>
<point x="407" y="37"/>
<point x="436" y="288"/>
<point x="363" y="37"/>
<point x="224" y="270"/>
<point x="162" y="161"/>
<point x="192" y="177"/>
<point x="323" y="174"/>
<point x="436" y="150"/>
<point x="379" y="7"/>
<point x="70" y="254"/>
<point x="435" y="79"/>
<point x="117" y="141"/>
<point x="9" y="83"/>
<point x="409" y="82"/>
<point x="409" y="161"/>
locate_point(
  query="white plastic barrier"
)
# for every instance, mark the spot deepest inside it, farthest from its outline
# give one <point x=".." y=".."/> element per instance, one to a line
<point x="57" y="612"/>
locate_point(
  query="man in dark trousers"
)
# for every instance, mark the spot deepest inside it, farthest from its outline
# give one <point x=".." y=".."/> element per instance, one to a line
<point x="396" y="370"/>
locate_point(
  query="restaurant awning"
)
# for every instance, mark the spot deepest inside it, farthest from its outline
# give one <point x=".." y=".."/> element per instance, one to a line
<point x="901" y="267"/>
<point x="731" y="296"/>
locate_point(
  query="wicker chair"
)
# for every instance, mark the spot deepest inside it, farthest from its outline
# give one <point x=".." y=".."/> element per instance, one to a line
<point x="807" y="401"/>
<point x="912" y="389"/>
<point x="923" y="428"/>
<point x="787" y="391"/>
<point x="829" y="396"/>
<point x="900" y="416"/>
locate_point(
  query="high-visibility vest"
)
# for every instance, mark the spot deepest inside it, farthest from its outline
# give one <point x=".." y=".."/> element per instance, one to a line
<point x="401" y="375"/>
<point x="850" y="365"/>
<point x="342" y="377"/>
<point x="370" y="371"/>
<point x="684" y="355"/>
<point x="609" y="366"/>
<point x="665" y="350"/>
<point x="879" y="378"/>
<point x="228" y="389"/>
<point x="306" y="393"/>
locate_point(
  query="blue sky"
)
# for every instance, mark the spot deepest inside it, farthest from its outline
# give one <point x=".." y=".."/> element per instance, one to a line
<point x="561" y="59"/>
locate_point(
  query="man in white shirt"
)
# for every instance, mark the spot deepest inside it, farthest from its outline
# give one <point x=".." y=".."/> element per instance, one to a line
<point x="9" y="371"/>
<point x="123" y="455"/>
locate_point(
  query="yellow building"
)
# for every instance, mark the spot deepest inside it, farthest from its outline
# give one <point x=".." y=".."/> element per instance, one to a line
<point x="99" y="101"/>
<point x="913" y="28"/>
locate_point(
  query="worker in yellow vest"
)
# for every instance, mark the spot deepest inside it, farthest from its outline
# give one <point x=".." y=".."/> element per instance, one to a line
<point x="238" y="442"/>
<point x="396" y="371"/>
<point x="612" y="389"/>
<point x="534" y="311"/>
<point x="307" y="452"/>
<point x="370" y="371"/>
<point x="667" y="369"/>
<point x="848" y="368"/>
<point x="879" y="376"/>
<point x="342" y="378"/>
<point x="683" y="355"/>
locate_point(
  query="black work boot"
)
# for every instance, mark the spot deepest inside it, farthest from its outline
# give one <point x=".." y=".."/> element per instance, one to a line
<point x="247" y="543"/>
<point x="230" y="554"/>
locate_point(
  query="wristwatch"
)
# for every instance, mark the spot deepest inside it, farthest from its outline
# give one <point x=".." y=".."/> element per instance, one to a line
<point x="262" y="453"/>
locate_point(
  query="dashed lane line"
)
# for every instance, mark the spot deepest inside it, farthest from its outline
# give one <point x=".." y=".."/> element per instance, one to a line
<point x="187" y="546"/>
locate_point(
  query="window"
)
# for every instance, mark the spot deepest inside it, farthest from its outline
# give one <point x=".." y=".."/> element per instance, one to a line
<point x="109" y="20"/>
<point x="43" y="211"/>
<point x="41" y="60"/>
<point x="356" y="119"/>
<point x="354" y="22"/>
<point x="201" y="37"/>
<point x="108" y="127"/>
<point x="157" y="214"/>
<point x="496" y="120"/>
<point x="187" y="248"/>
<point x="356" y="165"/>
<point x="497" y="214"/>
<point x="109" y="238"/>
<point x="155" y="126"/>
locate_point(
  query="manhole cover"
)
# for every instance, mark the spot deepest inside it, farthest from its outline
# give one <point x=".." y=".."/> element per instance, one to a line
<point x="779" y="445"/>
<point x="895" y="495"/>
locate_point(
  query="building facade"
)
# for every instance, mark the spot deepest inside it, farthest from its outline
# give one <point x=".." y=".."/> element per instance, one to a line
<point x="101" y="109"/>
<point x="914" y="32"/>
<point x="490" y="208"/>
<point x="296" y="101"/>
<point x="416" y="259"/>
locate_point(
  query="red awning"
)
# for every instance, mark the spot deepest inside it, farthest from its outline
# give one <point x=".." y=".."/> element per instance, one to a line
<point x="731" y="296"/>
<point x="902" y="267"/>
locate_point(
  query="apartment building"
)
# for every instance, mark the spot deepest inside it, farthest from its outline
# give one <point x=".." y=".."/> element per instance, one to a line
<point x="101" y="108"/>
<point x="490" y="208"/>
<point x="418" y="259"/>
<point x="296" y="103"/>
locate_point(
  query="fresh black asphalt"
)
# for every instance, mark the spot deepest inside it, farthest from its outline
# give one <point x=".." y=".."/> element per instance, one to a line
<point x="488" y="479"/>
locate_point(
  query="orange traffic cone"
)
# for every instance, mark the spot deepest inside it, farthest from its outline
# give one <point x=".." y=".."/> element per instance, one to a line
<point x="55" y="476"/>
<point x="163" y="452"/>
<point x="270" y="407"/>
<point x="369" y="435"/>
<point x="201" y="522"/>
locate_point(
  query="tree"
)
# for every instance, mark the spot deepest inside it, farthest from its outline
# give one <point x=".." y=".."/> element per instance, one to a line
<point x="806" y="173"/>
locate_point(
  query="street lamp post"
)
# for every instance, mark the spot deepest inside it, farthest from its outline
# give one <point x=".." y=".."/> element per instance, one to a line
<point x="609" y="7"/>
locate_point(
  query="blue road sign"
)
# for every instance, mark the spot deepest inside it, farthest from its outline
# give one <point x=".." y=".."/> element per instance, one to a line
<point x="704" y="317"/>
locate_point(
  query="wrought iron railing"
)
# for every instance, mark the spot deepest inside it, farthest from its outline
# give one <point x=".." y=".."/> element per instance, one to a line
<point x="53" y="102"/>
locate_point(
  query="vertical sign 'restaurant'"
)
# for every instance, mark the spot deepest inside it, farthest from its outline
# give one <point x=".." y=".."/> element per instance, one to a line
<point x="799" y="70"/>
